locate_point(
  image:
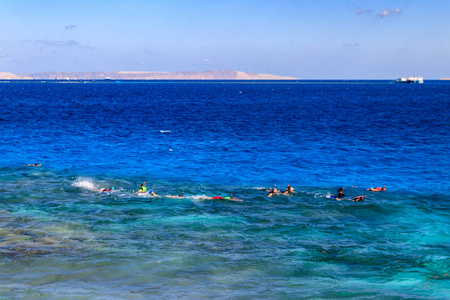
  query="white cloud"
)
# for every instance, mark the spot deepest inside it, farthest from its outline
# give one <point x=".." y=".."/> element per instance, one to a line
<point x="381" y="14"/>
<point x="351" y="44"/>
<point x="389" y="12"/>
<point x="68" y="43"/>
<point x="70" y="27"/>
<point x="360" y="11"/>
<point x="5" y="58"/>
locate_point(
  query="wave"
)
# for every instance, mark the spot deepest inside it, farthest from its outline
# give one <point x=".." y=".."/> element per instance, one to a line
<point x="86" y="183"/>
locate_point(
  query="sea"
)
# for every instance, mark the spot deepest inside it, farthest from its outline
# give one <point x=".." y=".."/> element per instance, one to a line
<point x="62" y="238"/>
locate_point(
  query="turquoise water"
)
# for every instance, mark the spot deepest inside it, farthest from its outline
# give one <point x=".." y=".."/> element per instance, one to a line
<point x="62" y="238"/>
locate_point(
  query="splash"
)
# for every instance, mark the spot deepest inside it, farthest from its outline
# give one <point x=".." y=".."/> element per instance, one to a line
<point x="260" y="188"/>
<point x="199" y="197"/>
<point x="85" y="183"/>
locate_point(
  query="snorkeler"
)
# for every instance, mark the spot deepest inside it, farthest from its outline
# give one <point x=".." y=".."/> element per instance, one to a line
<point x="231" y="198"/>
<point x="377" y="189"/>
<point x="179" y="196"/>
<point x="289" y="190"/>
<point x="359" y="198"/>
<point x="273" y="191"/>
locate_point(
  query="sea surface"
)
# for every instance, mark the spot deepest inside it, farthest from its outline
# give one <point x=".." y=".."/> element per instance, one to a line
<point x="61" y="238"/>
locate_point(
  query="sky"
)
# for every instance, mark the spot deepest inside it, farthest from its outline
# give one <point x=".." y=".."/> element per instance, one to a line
<point x="316" y="39"/>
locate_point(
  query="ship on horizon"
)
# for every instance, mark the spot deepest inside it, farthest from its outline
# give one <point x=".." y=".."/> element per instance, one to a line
<point x="410" y="79"/>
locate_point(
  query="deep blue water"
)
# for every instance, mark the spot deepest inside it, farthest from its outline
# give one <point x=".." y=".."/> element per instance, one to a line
<point x="60" y="237"/>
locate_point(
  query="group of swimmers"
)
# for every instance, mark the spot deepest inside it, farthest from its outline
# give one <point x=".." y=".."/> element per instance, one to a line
<point x="272" y="192"/>
<point x="143" y="190"/>
<point x="340" y="193"/>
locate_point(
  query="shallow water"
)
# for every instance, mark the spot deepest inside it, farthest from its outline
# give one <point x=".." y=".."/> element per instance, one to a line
<point x="61" y="238"/>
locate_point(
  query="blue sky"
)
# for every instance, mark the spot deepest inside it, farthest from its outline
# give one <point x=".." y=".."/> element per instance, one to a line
<point x="317" y="39"/>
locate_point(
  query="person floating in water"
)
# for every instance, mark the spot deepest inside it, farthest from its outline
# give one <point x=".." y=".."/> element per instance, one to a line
<point x="359" y="198"/>
<point x="179" y="196"/>
<point x="142" y="188"/>
<point x="289" y="190"/>
<point x="231" y="198"/>
<point x="107" y="190"/>
<point x="377" y="189"/>
<point x="273" y="192"/>
<point x="33" y="165"/>
<point x="340" y="193"/>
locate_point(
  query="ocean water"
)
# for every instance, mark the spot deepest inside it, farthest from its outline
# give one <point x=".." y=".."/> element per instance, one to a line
<point x="62" y="238"/>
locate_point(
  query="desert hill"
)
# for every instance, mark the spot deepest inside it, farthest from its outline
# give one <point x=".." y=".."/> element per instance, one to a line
<point x="129" y="75"/>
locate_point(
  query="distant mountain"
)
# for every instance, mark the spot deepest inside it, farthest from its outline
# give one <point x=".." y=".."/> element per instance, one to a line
<point x="184" y="75"/>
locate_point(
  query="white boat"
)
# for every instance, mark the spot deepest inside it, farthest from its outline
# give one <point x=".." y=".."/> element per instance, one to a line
<point x="410" y="79"/>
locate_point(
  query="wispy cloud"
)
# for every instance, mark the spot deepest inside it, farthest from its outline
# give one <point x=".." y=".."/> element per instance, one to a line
<point x="360" y="11"/>
<point x="5" y="58"/>
<point x="351" y="44"/>
<point x="389" y="12"/>
<point x="68" y="43"/>
<point x="70" y="27"/>
<point x="53" y="43"/>
<point x="381" y="14"/>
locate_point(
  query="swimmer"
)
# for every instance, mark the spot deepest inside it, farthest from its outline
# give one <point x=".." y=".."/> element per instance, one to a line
<point x="340" y="193"/>
<point x="377" y="189"/>
<point x="179" y="196"/>
<point x="231" y="198"/>
<point x="107" y="190"/>
<point x="273" y="191"/>
<point x="289" y="190"/>
<point x="142" y="188"/>
<point x="359" y="198"/>
<point x="33" y="165"/>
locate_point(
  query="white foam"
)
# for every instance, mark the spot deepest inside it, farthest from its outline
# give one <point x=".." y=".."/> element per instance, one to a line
<point x="165" y="131"/>
<point x="198" y="197"/>
<point x="145" y="195"/>
<point x="85" y="183"/>
<point x="261" y="188"/>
